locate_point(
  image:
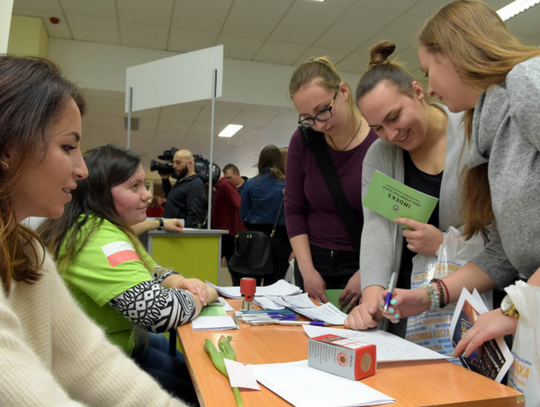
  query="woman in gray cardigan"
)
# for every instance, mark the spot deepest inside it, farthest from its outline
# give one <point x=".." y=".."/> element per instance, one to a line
<point x="420" y="145"/>
<point x="475" y="65"/>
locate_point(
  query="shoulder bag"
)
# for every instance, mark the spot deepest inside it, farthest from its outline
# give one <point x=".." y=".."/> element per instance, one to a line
<point x="253" y="250"/>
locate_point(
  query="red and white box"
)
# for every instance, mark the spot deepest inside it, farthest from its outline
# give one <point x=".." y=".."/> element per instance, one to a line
<point x="345" y="357"/>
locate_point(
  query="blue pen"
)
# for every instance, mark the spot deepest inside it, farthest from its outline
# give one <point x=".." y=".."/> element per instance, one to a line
<point x="391" y="287"/>
<point x="267" y="317"/>
<point x="317" y="323"/>
<point x="285" y="311"/>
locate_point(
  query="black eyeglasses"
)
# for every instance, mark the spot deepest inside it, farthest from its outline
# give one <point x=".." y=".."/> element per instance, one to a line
<point x="323" y="116"/>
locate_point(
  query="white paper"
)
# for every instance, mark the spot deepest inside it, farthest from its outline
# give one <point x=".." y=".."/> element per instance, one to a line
<point x="241" y="375"/>
<point x="328" y="313"/>
<point x="299" y="301"/>
<point x="302" y="385"/>
<point x="303" y="305"/>
<point x="390" y="347"/>
<point x="215" y="323"/>
<point x="226" y="305"/>
<point x="278" y="300"/>
<point x="280" y="287"/>
<point x="266" y="303"/>
<point x="229" y="292"/>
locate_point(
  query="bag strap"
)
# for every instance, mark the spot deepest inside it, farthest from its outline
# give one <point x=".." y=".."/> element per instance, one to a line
<point x="317" y="144"/>
<point x="278" y="215"/>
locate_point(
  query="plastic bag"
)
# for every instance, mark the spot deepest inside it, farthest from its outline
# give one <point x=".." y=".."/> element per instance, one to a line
<point x="524" y="375"/>
<point x="289" y="276"/>
<point x="432" y="329"/>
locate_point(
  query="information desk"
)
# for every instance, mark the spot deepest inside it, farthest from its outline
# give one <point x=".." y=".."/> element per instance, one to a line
<point x="423" y="383"/>
<point x="194" y="253"/>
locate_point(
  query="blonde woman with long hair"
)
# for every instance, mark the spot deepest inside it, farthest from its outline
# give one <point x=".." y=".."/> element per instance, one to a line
<point x="475" y="65"/>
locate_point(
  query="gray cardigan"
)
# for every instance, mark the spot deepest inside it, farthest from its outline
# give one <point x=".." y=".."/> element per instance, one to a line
<point x="382" y="241"/>
<point x="506" y="135"/>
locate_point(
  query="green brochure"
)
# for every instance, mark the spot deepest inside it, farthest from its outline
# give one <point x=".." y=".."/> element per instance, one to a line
<point x="392" y="199"/>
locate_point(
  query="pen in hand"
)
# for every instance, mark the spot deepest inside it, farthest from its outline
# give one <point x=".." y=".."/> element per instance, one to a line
<point x="391" y="287"/>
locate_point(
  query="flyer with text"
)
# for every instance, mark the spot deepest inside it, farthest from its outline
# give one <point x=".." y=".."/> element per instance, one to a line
<point x="392" y="199"/>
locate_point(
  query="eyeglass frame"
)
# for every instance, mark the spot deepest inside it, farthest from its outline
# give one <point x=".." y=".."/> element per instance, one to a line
<point x="315" y="118"/>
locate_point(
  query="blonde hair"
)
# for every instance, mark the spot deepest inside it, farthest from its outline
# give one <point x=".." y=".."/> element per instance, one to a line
<point x="473" y="36"/>
<point x="321" y="70"/>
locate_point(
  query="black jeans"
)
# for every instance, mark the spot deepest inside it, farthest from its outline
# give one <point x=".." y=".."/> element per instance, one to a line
<point x="281" y="250"/>
<point x="336" y="267"/>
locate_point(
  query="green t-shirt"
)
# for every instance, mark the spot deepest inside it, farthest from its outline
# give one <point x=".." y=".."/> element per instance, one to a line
<point x="106" y="267"/>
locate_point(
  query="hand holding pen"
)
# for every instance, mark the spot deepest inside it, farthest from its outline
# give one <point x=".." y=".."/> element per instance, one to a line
<point x="390" y="312"/>
<point x="403" y="303"/>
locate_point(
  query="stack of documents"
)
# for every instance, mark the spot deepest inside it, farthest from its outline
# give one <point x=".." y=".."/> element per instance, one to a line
<point x="280" y="287"/>
<point x="283" y="294"/>
<point x="328" y="312"/>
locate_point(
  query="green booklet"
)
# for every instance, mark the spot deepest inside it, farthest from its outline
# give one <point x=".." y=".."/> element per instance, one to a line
<point x="392" y="199"/>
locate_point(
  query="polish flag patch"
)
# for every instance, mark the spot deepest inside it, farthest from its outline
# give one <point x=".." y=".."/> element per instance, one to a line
<point x="119" y="252"/>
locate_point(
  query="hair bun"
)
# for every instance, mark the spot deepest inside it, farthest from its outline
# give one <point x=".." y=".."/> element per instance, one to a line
<point x="379" y="53"/>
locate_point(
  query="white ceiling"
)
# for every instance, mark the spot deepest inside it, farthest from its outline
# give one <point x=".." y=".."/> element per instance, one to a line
<point x="284" y="32"/>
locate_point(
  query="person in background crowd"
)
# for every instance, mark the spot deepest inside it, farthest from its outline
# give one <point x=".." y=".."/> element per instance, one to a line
<point x="226" y="216"/>
<point x="326" y="254"/>
<point x="154" y="209"/>
<point x="261" y="201"/>
<point x="419" y="145"/>
<point x="111" y="275"/>
<point x="186" y="199"/>
<point x="475" y="65"/>
<point x="51" y="353"/>
<point x="232" y="173"/>
<point x="284" y="151"/>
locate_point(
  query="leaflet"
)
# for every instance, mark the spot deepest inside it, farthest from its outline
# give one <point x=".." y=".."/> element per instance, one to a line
<point x="493" y="358"/>
<point x="392" y="199"/>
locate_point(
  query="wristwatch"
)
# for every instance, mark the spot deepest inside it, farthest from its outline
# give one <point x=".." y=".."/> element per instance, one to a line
<point x="160" y="227"/>
<point x="508" y="307"/>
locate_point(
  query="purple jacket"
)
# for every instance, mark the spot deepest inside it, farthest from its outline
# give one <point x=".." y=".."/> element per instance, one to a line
<point x="309" y="208"/>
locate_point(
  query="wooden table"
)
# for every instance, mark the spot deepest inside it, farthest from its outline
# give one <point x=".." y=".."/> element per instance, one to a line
<point x="424" y="383"/>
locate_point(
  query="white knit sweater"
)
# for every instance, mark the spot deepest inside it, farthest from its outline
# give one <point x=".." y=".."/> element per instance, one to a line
<point x="52" y="354"/>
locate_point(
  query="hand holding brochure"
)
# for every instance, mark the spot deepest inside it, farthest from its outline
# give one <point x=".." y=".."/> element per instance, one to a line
<point x="493" y="358"/>
<point x="392" y="199"/>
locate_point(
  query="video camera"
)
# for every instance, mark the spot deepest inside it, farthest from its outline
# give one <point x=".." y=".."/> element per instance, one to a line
<point x="201" y="166"/>
<point x="164" y="169"/>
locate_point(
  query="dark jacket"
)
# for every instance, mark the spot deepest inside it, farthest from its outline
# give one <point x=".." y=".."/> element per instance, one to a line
<point x="261" y="199"/>
<point x="185" y="200"/>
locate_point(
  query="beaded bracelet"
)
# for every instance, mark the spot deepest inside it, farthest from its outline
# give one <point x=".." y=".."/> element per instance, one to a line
<point x="433" y="296"/>
<point x="446" y="293"/>
<point x="442" y="293"/>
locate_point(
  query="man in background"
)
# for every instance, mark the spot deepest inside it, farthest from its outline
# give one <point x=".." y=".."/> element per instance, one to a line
<point x="186" y="199"/>
<point x="232" y="174"/>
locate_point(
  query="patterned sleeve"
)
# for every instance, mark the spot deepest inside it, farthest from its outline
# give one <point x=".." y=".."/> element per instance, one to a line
<point x="160" y="274"/>
<point x="154" y="308"/>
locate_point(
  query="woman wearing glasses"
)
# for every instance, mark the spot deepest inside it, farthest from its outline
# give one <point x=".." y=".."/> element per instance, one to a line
<point x="328" y="149"/>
